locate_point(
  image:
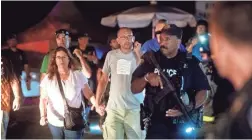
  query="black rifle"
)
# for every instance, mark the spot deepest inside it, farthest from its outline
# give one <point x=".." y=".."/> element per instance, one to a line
<point x="170" y="89"/>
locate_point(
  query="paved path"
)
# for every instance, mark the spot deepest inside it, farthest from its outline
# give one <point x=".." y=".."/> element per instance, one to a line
<point x="27" y="126"/>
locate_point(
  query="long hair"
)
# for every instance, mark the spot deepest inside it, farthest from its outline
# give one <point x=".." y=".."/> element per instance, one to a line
<point x="53" y="69"/>
<point x="7" y="73"/>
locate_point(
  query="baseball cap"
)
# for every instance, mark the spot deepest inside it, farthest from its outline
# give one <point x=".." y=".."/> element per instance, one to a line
<point x="62" y="31"/>
<point x="79" y="35"/>
<point x="11" y="36"/>
<point x="173" y="30"/>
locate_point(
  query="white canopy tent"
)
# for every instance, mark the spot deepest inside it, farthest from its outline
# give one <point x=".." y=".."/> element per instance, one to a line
<point x="143" y="16"/>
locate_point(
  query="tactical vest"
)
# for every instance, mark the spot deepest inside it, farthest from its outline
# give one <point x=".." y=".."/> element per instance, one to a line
<point x="156" y="95"/>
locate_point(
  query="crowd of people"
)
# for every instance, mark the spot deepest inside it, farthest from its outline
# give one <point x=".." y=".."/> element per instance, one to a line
<point x="188" y="88"/>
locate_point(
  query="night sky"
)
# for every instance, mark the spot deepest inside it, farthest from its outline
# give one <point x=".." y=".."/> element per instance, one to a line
<point x="19" y="16"/>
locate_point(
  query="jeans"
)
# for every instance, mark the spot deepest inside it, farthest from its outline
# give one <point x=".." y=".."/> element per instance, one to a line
<point x="61" y="133"/>
<point x="85" y="113"/>
<point x="4" y="124"/>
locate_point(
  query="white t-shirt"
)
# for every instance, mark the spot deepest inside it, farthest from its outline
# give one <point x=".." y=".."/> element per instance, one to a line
<point x="72" y="89"/>
<point x="121" y="66"/>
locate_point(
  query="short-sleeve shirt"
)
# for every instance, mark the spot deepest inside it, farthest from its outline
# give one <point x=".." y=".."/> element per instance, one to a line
<point x="45" y="64"/>
<point x="72" y="89"/>
<point x="173" y="69"/>
<point x="120" y="66"/>
<point x="17" y="58"/>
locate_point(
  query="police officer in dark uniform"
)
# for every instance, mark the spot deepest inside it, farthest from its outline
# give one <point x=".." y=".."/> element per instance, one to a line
<point x="231" y="48"/>
<point x="89" y="54"/>
<point x="17" y="58"/>
<point x="167" y="120"/>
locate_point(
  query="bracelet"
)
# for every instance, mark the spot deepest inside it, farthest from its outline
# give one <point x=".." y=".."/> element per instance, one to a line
<point x="42" y="116"/>
<point x="145" y="77"/>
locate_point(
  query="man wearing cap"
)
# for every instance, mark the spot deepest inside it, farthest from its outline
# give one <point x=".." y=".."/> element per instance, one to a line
<point x="62" y="40"/>
<point x="201" y="40"/>
<point x="89" y="54"/>
<point x="17" y="58"/>
<point x="153" y="44"/>
<point x="166" y="119"/>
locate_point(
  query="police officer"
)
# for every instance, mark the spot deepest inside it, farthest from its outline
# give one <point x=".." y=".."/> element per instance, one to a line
<point x="231" y="48"/>
<point x="89" y="54"/>
<point x="17" y="58"/>
<point x="167" y="119"/>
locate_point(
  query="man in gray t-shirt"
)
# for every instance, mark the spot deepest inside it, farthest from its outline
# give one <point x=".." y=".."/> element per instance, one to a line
<point x="123" y="108"/>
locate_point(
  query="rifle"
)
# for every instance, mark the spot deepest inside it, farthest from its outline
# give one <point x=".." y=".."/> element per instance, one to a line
<point x="171" y="89"/>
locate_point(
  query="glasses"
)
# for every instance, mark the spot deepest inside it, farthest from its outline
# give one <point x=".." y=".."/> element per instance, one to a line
<point x="126" y="37"/>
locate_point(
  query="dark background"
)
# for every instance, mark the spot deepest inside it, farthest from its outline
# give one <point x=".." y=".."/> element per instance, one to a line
<point x="19" y="16"/>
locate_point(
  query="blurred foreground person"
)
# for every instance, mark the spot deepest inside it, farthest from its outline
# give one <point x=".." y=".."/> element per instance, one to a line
<point x="9" y="84"/>
<point x="61" y="93"/>
<point x="231" y="47"/>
